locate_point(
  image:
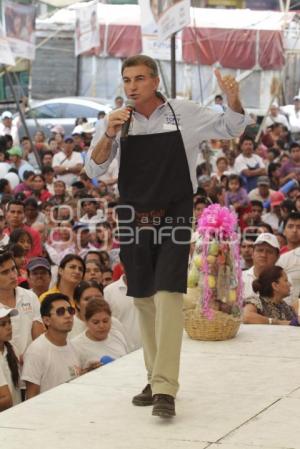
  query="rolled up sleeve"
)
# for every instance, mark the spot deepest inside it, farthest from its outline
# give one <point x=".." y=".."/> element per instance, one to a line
<point x="94" y="170"/>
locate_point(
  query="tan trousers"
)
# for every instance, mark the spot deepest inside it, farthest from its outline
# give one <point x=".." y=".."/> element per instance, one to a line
<point x="161" y="323"/>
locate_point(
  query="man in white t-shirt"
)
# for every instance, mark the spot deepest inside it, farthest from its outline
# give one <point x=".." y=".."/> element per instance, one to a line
<point x="27" y="325"/>
<point x="293" y="113"/>
<point x="124" y="310"/>
<point x="274" y="116"/>
<point x="67" y="164"/>
<point x="91" y="208"/>
<point x="249" y="165"/>
<point x="265" y="255"/>
<point x="262" y="192"/>
<point x="8" y="126"/>
<point x="51" y="360"/>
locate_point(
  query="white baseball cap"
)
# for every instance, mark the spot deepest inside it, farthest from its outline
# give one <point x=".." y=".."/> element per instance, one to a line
<point x="88" y="128"/>
<point x="77" y="130"/>
<point x="5" y="312"/>
<point x="6" y="114"/>
<point x="266" y="237"/>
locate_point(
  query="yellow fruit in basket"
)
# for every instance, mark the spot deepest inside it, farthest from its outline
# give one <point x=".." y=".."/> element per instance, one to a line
<point x="193" y="278"/>
<point x="232" y="296"/>
<point x="211" y="260"/>
<point x="213" y="249"/>
<point x="198" y="262"/>
<point x="211" y="281"/>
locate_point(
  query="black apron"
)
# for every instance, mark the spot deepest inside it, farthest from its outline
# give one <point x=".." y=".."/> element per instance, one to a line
<point x="155" y="230"/>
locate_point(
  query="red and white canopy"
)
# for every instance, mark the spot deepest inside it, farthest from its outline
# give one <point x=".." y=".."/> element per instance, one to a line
<point x="238" y="39"/>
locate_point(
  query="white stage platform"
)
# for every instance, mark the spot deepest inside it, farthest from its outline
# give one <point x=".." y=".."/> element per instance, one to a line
<point x="239" y="394"/>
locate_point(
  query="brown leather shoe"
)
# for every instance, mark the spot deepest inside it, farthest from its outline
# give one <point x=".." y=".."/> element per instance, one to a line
<point x="163" y="406"/>
<point x="144" y="398"/>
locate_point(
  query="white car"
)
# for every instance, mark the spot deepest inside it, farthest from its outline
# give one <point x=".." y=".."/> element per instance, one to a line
<point x="62" y="111"/>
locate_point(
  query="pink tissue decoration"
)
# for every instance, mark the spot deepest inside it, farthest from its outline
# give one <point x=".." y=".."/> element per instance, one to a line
<point x="217" y="218"/>
<point x="220" y="223"/>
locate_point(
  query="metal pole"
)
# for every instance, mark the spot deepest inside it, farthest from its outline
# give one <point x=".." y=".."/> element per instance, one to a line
<point x="77" y="90"/>
<point x="173" y="65"/>
<point x="163" y="79"/>
<point x="21" y="113"/>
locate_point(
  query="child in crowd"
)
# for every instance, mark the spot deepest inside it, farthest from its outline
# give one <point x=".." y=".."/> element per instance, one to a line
<point x="236" y="196"/>
<point x="23" y="238"/>
<point x="19" y="255"/>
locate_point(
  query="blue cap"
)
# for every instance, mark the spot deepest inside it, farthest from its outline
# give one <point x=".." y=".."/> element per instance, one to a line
<point x="38" y="262"/>
<point x="69" y="138"/>
<point x="80" y="225"/>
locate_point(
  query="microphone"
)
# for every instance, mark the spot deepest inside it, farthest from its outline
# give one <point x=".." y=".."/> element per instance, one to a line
<point x="129" y="104"/>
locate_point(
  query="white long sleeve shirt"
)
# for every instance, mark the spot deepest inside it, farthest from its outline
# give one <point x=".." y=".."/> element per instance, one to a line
<point x="195" y="123"/>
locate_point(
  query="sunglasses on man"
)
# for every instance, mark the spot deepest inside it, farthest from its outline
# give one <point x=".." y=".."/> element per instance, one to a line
<point x="61" y="311"/>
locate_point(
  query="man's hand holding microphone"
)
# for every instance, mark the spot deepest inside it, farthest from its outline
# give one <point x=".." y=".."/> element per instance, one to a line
<point x="118" y="120"/>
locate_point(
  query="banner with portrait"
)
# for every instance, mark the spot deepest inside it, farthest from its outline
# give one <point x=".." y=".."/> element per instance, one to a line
<point x="171" y="16"/>
<point x="152" y="45"/>
<point x="6" y="56"/>
<point x="19" y="27"/>
<point x="87" y="34"/>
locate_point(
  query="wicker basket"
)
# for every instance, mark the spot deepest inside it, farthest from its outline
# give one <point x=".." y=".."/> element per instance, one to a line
<point x="221" y="327"/>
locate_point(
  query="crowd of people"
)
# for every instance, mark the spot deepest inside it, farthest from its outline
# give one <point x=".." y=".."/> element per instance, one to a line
<point x="63" y="304"/>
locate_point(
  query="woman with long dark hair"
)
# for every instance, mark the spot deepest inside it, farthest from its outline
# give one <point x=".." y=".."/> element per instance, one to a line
<point x="9" y="364"/>
<point x="40" y="191"/>
<point x="269" y="307"/>
<point x="70" y="272"/>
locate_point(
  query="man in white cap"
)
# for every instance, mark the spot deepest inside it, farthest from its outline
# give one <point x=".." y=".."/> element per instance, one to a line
<point x="274" y="116"/>
<point x="293" y="113"/>
<point x="87" y="132"/>
<point x="8" y="127"/>
<point x="78" y="140"/>
<point x="265" y="255"/>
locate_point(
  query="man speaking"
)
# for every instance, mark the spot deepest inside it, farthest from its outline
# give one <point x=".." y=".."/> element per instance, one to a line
<point x="158" y="141"/>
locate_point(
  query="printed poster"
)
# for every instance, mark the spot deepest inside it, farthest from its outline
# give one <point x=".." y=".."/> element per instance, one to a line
<point x="153" y="46"/>
<point x="19" y="28"/>
<point x="6" y="56"/>
<point x="87" y="34"/>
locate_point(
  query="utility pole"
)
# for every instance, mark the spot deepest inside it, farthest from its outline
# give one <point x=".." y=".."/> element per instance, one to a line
<point x="173" y="65"/>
